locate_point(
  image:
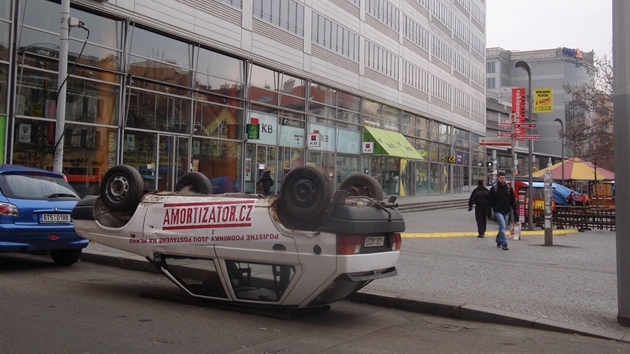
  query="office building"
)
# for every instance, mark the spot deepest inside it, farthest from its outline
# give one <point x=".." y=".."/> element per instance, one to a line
<point x="391" y="88"/>
<point x="550" y="68"/>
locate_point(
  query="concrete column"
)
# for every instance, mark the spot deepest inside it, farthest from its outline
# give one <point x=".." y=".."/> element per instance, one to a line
<point x="621" y="93"/>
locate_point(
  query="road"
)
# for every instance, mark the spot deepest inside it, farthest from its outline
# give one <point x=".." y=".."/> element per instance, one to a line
<point x="91" y="308"/>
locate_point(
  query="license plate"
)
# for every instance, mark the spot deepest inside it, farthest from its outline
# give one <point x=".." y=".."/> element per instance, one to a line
<point x="374" y="241"/>
<point x="55" y="219"/>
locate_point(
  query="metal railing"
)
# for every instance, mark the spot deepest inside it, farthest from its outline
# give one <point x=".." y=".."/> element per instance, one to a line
<point x="581" y="218"/>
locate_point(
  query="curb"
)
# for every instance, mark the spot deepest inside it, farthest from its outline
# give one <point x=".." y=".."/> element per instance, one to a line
<point x="468" y="312"/>
<point x="413" y="303"/>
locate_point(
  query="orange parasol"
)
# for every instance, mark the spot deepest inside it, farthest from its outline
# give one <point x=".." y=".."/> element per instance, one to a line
<point x="576" y="169"/>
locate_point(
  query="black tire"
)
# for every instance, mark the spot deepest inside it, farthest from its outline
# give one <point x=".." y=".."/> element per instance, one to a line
<point x="195" y="182"/>
<point x="121" y="188"/>
<point x="66" y="257"/>
<point x="305" y="196"/>
<point x="362" y="185"/>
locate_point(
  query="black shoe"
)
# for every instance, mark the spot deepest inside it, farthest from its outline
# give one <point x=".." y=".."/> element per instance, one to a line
<point x="505" y="247"/>
<point x="498" y="244"/>
<point x="480" y="236"/>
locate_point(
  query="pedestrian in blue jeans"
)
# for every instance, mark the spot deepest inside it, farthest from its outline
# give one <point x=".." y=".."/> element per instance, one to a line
<point x="503" y="202"/>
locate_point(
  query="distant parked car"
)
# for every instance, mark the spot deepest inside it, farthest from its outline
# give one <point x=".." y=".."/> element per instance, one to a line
<point x="35" y="207"/>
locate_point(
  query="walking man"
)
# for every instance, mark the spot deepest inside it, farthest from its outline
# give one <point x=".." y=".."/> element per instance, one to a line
<point x="266" y="181"/>
<point x="502" y="201"/>
<point x="480" y="196"/>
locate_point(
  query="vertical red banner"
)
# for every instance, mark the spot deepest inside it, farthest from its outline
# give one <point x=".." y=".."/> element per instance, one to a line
<point x="518" y="103"/>
<point x="518" y="108"/>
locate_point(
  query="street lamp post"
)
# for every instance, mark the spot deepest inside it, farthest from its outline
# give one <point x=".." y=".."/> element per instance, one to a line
<point x="561" y="137"/>
<point x="530" y="209"/>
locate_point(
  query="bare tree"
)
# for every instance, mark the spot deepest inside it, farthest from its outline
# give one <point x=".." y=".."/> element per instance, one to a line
<point x="589" y="134"/>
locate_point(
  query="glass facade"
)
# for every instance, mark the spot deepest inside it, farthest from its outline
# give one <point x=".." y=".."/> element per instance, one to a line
<point x="167" y="105"/>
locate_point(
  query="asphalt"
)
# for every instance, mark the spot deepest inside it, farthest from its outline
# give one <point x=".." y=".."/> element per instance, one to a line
<point x="445" y="270"/>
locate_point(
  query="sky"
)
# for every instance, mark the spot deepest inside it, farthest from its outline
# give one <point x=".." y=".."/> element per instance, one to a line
<point x="546" y="24"/>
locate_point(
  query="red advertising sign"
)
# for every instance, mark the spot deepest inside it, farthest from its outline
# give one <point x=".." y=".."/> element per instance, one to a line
<point x="518" y="103"/>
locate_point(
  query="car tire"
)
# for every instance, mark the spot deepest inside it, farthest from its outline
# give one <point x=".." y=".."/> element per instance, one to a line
<point x="195" y="182"/>
<point x="121" y="188"/>
<point x="305" y="196"/>
<point x="362" y="185"/>
<point x="66" y="257"/>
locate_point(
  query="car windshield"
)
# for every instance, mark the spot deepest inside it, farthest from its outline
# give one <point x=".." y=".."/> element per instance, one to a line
<point x="35" y="187"/>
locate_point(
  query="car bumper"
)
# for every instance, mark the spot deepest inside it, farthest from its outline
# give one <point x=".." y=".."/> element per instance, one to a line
<point x="38" y="238"/>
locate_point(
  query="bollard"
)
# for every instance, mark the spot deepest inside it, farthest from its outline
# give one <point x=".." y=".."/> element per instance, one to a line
<point x="548" y="212"/>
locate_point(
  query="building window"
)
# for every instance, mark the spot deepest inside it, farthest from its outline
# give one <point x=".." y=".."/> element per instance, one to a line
<point x="441" y="13"/>
<point x="490" y="83"/>
<point x="490" y="67"/>
<point x="286" y="14"/>
<point x="385" y="12"/>
<point x="234" y="3"/>
<point x="381" y="60"/>
<point x="416" y="33"/>
<point x="441" y="50"/>
<point x="334" y="37"/>
<point x="416" y="77"/>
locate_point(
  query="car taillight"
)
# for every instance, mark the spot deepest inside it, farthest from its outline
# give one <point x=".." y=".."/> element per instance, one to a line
<point x="349" y="244"/>
<point x="9" y="209"/>
<point x="396" y="239"/>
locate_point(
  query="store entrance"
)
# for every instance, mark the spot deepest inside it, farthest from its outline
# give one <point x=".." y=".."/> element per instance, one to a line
<point x="257" y="157"/>
<point x="160" y="158"/>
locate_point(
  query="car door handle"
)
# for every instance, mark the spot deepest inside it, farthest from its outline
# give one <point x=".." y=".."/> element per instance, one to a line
<point x="279" y="247"/>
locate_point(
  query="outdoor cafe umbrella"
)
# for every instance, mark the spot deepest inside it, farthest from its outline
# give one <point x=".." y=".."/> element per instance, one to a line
<point x="576" y="169"/>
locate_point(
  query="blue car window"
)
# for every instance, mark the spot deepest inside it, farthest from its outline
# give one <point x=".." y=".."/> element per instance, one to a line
<point x="35" y="187"/>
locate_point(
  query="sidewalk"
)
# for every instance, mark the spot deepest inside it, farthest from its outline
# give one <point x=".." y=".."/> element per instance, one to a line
<point x="568" y="287"/>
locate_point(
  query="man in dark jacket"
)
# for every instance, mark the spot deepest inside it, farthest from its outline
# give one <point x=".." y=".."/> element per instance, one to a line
<point x="266" y="181"/>
<point x="480" y="196"/>
<point x="502" y="201"/>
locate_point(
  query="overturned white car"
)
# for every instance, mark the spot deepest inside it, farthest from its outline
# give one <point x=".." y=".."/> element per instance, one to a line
<point x="303" y="248"/>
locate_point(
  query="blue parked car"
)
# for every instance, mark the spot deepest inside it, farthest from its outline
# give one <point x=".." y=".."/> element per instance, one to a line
<point x="35" y="208"/>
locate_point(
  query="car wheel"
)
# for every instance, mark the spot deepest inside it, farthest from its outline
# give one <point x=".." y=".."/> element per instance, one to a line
<point x="66" y="257"/>
<point x="195" y="182"/>
<point x="305" y="196"/>
<point x="121" y="188"/>
<point x="362" y="185"/>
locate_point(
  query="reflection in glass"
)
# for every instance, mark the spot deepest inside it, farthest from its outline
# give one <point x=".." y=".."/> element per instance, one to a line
<point x="3" y="79"/>
<point x="88" y="150"/>
<point x="4" y="41"/>
<point x="161" y="58"/>
<point x="217" y="121"/>
<point x="5" y="10"/>
<point x="220" y="161"/>
<point x="219" y="74"/>
<point x="157" y="111"/>
<point x="139" y="151"/>
<point x="293" y="93"/>
<point x="105" y="41"/>
<point x="263" y="78"/>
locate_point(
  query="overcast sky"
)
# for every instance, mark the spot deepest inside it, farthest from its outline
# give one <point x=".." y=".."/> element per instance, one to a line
<point x="546" y="24"/>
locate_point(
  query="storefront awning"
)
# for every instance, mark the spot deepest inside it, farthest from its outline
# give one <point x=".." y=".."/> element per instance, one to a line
<point x="393" y="144"/>
<point x="405" y="146"/>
